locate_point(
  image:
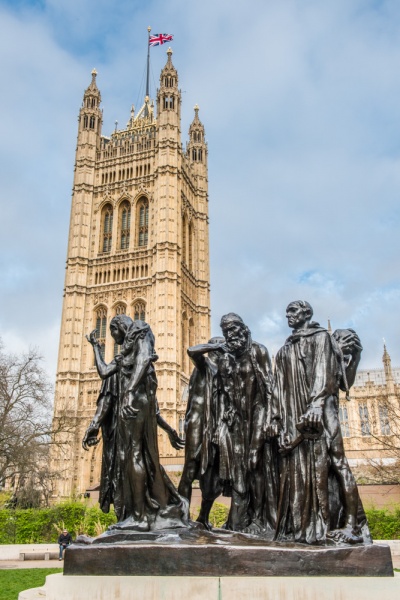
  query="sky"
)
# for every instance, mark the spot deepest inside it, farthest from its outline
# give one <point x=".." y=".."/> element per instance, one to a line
<point x="300" y="100"/>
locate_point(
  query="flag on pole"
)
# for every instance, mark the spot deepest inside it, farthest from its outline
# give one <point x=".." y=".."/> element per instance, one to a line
<point x="160" y="38"/>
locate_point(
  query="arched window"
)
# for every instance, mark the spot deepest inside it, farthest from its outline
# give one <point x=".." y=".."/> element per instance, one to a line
<point x="120" y="309"/>
<point x="364" y="418"/>
<point x="92" y="122"/>
<point x="107" y="221"/>
<point x="143" y="222"/>
<point x="384" y="419"/>
<point x="184" y="241"/>
<point x="182" y="427"/>
<point x="191" y="332"/>
<point x="184" y="333"/>
<point x="139" y="311"/>
<point x="344" y="420"/>
<point x="190" y="248"/>
<point x="101" y="328"/>
<point x="85" y="121"/>
<point x="125" y="224"/>
<point x="169" y="102"/>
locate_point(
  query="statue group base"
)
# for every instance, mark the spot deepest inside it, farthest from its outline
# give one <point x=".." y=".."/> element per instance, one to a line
<point x="197" y="564"/>
<point x="220" y="554"/>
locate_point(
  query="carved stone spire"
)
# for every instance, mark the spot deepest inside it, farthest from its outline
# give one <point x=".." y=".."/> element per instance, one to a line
<point x="90" y="115"/>
<point x="387" y="365"/>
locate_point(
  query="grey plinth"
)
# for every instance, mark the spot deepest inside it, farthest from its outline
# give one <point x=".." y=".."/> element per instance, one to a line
<point x="218" y="556"/>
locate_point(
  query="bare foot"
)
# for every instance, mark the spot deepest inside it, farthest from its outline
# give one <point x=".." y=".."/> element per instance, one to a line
<point x="346" y="535"/>
<point x="255" y="528"/>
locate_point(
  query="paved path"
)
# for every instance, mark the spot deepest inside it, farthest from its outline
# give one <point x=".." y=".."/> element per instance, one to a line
<point x="31" y="564"/>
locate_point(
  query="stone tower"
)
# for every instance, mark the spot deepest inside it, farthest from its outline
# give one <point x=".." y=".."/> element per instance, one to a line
<point x="138" y="244"/>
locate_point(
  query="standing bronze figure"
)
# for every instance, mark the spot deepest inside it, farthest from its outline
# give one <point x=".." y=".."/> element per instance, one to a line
<point x="132" y="478"/>
<point x="245" y="394"/>
<point x="318" y="493"/>
<point x="201" y="427"/>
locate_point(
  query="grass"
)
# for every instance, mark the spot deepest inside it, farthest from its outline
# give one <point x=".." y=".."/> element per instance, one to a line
<point x="14" y="581"/>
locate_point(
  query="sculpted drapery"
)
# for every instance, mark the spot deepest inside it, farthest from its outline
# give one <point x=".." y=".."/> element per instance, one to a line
<point x="318" y="496"/>
<point x="132" y="478"/>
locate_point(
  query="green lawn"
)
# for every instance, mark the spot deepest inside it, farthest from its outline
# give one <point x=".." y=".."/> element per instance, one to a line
<point x="13" y="581"/>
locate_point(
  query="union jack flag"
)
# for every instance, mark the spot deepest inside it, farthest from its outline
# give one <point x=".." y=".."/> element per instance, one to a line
<point x="160" y="38"/>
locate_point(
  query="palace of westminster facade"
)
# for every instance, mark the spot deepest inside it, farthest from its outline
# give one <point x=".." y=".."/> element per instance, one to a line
<point x="138" y="244"/>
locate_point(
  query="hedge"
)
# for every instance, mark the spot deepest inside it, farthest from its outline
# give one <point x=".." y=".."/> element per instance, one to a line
<point x="44" y="525"/>
<point x="34" y="525"/>
<point x="384" y="523"/>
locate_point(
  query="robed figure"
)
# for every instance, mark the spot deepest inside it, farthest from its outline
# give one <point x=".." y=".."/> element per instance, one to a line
<point x="132" y="478"/>
<point x="318" y="496"/>
<point x="201" y="427"/>
<point x="247" y="459"/>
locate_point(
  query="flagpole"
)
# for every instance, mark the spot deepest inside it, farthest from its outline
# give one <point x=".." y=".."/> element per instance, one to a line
<point x="148" y="63"/>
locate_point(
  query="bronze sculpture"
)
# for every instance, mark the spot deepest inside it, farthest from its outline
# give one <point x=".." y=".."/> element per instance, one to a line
<point x="234" y="415"/>
<point x="239" y="425"/>
<point x="132" y="478"/>
<point x="201" y="427"/>
<point x="245" y="393"/>
<point x="318" y="497"/>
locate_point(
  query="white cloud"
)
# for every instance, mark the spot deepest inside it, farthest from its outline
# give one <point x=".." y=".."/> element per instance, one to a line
<point x="300" y="104"/>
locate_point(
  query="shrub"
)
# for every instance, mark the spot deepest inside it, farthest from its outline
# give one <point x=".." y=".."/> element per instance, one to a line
<point x="384" y="523"/>
<point x="35" y="525"/>
<point x="218" y="514"/>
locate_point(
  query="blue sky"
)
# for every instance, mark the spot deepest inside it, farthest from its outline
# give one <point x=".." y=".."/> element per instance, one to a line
<point x="300" y="101"/>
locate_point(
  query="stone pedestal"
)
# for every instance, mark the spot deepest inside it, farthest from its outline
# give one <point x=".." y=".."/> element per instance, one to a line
<point x="215" y="588"/>
<point x="220" y="554"/>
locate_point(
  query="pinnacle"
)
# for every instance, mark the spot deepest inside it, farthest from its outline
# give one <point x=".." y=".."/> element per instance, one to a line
<point x="93" y="86"/>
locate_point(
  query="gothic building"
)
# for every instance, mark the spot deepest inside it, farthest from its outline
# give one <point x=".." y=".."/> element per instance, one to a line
<point x="370" y="422"/>
<point x="138" y="244"/>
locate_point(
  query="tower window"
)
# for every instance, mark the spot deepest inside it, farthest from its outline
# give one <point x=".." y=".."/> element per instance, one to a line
<point x="85" y="121"/>
<point x="120" y="309"/>
<point x="169" y="102"/>
<point x="364" y="418"/>
<point x="92" y="122"/>
<point x="101" y="328"/>
<point x="197" y="154"/>
<point x="384" y="419"/>
<point x="125" y="225"/>
<point x="344" y="421"/>
<point x="190" y="265"/>
<point x="143" y="222"/>
<point x="107" y="228"/>
<point x="139" y="311"/>
<point x="184" y="242"/>
<point x="182" y="426"/>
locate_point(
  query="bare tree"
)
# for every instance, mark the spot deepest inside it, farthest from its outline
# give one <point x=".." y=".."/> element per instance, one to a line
<point x="26" y="431"/>
<point x="385" y="433"/>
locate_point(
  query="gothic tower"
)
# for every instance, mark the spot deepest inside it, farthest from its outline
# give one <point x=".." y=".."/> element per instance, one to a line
<point x="138" y="244"/>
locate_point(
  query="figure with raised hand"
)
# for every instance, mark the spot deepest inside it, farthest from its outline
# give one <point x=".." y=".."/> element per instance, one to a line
<point x="132" y="478"/>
